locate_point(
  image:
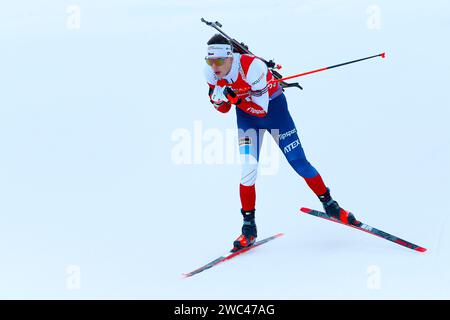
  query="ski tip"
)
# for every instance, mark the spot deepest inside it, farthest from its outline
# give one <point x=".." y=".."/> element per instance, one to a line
<point x="185" y="275"/>
<point x="420" y="249"/>
<point x="383" y="55"/>
<point x="279" y="235"/>
<point x="305" y="210"/>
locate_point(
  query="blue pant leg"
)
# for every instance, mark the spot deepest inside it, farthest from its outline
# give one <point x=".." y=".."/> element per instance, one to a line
<point x="283" y="130"/>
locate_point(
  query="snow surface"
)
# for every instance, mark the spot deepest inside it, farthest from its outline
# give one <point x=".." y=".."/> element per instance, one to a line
<point x="87" y="176"/>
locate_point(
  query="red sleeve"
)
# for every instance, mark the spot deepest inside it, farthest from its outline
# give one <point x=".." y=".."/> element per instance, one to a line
<point x="252" y="108"/>
<point x="223" y="107"/>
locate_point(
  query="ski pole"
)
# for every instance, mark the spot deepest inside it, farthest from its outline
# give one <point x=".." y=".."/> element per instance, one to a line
<point x="382" y="55"/>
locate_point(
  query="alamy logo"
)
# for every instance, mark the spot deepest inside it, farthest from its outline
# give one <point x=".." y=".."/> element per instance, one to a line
<point x="74" y="19"/>
<point x="212" y="146"/>
<point x="291" y="146"/>
<point x="73" y="280"/>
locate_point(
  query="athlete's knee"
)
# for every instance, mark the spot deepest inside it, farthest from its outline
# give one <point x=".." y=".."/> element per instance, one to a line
<point x="248" y="176"/>
<point x="303" y="167"/>
<point x="249" y="173"/>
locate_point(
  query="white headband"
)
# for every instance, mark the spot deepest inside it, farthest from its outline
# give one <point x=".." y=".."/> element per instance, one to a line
<point x="219" y="51"/>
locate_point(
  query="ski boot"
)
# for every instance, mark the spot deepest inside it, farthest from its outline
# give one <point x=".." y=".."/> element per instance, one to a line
<point x="249" y="234"/>
<point x="333" y="209"/>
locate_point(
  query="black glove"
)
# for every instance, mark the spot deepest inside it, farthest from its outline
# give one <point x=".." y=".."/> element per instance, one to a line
<point x="231" y="96"/>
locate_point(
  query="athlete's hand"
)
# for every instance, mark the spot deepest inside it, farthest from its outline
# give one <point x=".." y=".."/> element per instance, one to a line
<point x="218" y="95"/>
<point x="231" y="96"/>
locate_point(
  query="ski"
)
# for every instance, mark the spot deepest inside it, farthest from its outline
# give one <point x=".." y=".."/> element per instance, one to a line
<point x="366" y="228"/>
<point x="230" y="255"/>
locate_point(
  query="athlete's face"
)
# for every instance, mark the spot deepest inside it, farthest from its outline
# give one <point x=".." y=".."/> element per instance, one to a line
<point x="221" y="67"/>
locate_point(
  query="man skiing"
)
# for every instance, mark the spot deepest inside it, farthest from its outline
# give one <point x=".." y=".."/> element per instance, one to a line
<point x="244" y="81"/>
